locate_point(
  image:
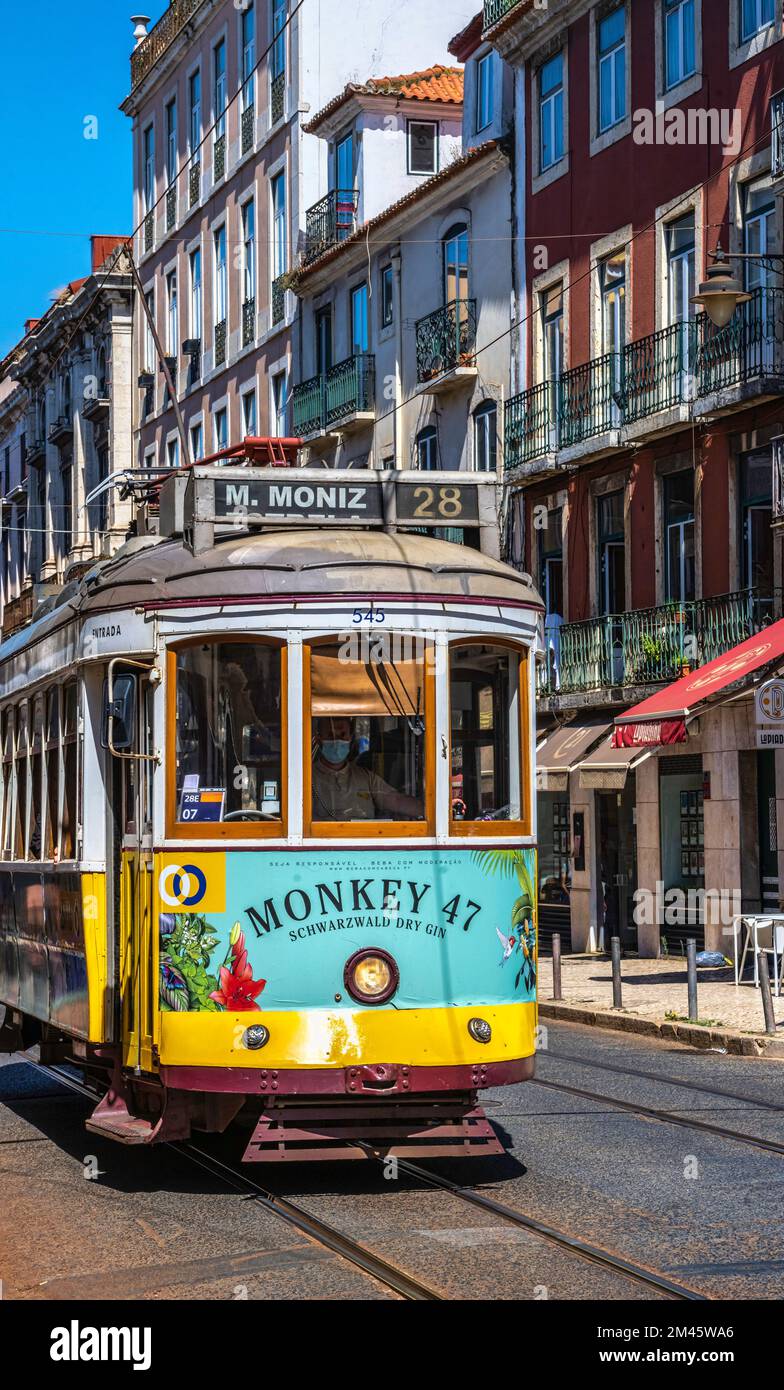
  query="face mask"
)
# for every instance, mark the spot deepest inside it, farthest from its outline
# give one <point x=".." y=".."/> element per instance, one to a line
<point x="335" y="750"/>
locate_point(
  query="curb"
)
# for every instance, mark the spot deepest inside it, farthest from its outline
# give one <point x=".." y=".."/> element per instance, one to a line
<point x="737" y="1044"/>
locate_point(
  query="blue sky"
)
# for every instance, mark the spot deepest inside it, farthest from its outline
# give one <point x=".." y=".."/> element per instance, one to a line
<point x="62" y="64"/>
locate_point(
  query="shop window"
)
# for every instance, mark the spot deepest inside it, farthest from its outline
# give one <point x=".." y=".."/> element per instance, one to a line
<point x="554" y="850"/>
<point x="229" y="738"/>
<point x="69" y="815"/>
<point x="487" y="703"/>
<point x="371" y="733"/>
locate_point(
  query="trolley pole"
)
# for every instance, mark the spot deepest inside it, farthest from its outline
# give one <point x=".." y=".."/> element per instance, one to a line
<point x="767" y="996"/>
<point x="691" y="977"/>
<point x="557" y="994"/>
<point x="615" y="946"/>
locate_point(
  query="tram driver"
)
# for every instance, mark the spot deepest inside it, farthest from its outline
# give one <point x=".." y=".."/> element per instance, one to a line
<point x="344" y="791"/>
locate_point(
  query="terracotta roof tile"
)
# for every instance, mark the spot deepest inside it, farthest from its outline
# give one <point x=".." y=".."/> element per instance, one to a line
<point x="439" y="83"/>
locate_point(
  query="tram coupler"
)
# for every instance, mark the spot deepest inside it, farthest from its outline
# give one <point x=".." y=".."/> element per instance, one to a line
<point x="425" y="1127"/>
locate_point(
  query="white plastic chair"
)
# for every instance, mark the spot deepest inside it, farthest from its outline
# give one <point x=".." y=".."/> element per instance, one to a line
<point x="769" y="937"/>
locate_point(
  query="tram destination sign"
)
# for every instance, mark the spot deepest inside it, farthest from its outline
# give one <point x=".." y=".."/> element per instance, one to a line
<point x="208" y="497"/>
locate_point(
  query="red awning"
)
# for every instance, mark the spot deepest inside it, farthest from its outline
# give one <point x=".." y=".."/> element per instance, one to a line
<point x="662" y="718"/>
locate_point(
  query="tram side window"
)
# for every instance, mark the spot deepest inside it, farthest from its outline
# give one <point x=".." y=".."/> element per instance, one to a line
<point x="368" y="732"/>
<point x="8" y="782"/>
<point x="229" y="738"/>
<point x="51" y="834"/>
<point x="486" y="727"/>
<point x="70" y="789"/>
<point x="20" y="832"/>
<point x="36" y="779"/>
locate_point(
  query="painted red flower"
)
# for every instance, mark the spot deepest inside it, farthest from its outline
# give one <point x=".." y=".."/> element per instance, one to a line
<point x="238" y="990"/>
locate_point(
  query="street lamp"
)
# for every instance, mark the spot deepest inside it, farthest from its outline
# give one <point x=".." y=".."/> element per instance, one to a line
<point x="720" y="293"/>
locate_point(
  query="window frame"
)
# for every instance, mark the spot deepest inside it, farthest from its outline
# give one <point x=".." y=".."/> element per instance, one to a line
<point x="605" y="57"/>
<point x="424" y="173"/>
<point x="224" y="830"/>
<point x="387" y="301"/>
<point x="376" y="829"/>
<point x="484" y="93"/>
<point x="485" y="417"/>
<point x="670" y="8"/>
<point x="549" y="103"/>
<point x="746" y="36"/>
<point x="497" y="829"/>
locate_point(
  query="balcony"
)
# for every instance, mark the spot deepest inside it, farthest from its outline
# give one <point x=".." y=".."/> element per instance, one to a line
<point x="36" y="452"/>
<point x="17" y="612"/>
<point x="329" y="222"/>
<point x="249" y="322"/>
<point x="277" y="97"/>
<point x="445" y="342"/>
<point x="651" y="646"/>
<point x="247" y="126"/>
<point x="653" y="385"/>
<point x="61" y="430"/>
<point x="96" y="408"/>
<point x="278" y="301"/>
<point x="160" y="37"/>
<point x="336" y="399"/>
<point x="194" y="183"/>
<point x="219" y="158"/>
<point x="496" y="10"/>
<point x="219" y="343"/>
<point x="149" y="231"/>
<point x="171" y="206"/>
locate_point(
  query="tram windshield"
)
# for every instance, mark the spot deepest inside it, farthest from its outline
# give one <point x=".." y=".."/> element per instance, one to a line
<point x="484" y="690"/>
<point x="229" y="747"/>
<point x="368" y="733"/>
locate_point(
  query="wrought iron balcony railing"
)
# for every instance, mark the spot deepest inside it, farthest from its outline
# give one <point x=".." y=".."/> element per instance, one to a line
<point x="160" y="37"/>
<point x="347" y="389"/>
<point x="220" y="343"/>
<point x="330" y="221"/>
<point x="249" y="322"/>
<point x="667" y="369"/>
<point x="194" y="183"/>
<point x="446" y="339"/>
<point x="495" y="10"/>
<point x="278" y="299"/>
<point x="650" y="646"/>
<point x="219" y="158"/>
<point x="277" y="97"/>
<point x="149" y="231"/>
<point x="247" y="126"/>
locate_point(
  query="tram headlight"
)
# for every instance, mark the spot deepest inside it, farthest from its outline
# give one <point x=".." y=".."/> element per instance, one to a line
<point x="255" y="1037"/>
<point x="371" y="977"/>
<point x="480" y="1030"/>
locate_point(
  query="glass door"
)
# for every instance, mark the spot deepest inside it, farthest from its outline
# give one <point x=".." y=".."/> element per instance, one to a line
<point x="681" y="273"/>
<point x="759" y="232"/>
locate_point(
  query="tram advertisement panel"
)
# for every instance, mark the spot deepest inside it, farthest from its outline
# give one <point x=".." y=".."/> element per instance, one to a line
<point x="251" y="931"/>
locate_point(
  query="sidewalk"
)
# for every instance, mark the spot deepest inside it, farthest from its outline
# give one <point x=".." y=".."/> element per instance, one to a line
<point x="730" y="1017"/>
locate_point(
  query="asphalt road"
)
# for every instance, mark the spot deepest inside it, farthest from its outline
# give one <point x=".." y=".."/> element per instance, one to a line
<point x="698" y="1208"/>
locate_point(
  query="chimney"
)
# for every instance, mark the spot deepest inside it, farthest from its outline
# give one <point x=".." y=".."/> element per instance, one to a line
<point x="140" y="22"/>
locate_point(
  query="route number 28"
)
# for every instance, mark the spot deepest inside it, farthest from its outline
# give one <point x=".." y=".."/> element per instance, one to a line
<point x="438" y="502"/>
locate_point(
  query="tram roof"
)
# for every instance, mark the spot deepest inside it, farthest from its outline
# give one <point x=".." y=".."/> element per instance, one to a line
<point x="284" y="563"/>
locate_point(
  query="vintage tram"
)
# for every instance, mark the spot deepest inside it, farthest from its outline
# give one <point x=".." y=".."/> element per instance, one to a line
<point x="268" y="818"/>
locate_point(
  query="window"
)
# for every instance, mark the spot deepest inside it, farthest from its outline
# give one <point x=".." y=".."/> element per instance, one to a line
<point x="777" y="135"/>
<point x="9" y="783"/>
<point x="229" y="739"/>
<point x="612" y="273"/>
<point x="370" y="715"/>
<point x="756" y="495"/>
<point x="249" y="426"/>
<point x="486" y="437"/>
<point x="173" y="453"/>
<point x="323" y="340"/>
<point x="422" y="147"/>
<point x="387" y="296"/>
<point x="150" y="355"/>
<point x="759" y="232"/>
<point x="550" y="541"/>
<point x="278" y="59"/>
<point x="171" y="141"/>
<point x="279" y="423"/>
<point x="66" y="528"/>
<point x="681" y="267"/>
<point x="68" y="822"/>
<point x="755" y="15"/>
<point x="552" y="317"/>
<point x="484" y="92"/>
<point x="194" y="103"/>
<point x="279" y="234"/>
<point x="172" y="328"/>
<point x="248" y="251"/>
<point x="679" y="536"/>
<point x="21" y="776"/>
<point x="196" y="294"/>
<point x="221" y="428"/>
<point x="680" y="53"/>
<point x="148" y="170"/>
<point x="359" y="320"/>
<point x="248" y="46"/>
<point x="456" y="265"/>
<point x="52" y="827"/>
<point x="612" y="69"/>
<point x="219" y="244"/>
<point x="612" y="553"/>
<point x="551" y="112"/>
<point x="219" y="88"/>
<point x="427" y="449"/>
<point x="197" y="441"/>
<point x="486" y="705"/>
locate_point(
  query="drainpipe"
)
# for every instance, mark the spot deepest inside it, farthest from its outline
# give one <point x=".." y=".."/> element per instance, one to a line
<point x="397" y="420"/>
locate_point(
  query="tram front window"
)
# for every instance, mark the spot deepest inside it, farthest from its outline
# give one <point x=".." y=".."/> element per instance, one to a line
<point x="368" y="735"/>
<point x="484" y="696"/>
<point x="229" y="741"/>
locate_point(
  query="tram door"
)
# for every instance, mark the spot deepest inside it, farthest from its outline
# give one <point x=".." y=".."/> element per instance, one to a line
<point x="133" y="878"/>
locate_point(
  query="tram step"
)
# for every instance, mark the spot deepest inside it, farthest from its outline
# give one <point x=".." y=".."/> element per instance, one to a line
<point x="304" y="1133"/>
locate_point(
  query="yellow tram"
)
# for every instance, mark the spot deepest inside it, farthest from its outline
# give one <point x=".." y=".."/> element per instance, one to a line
<point x="268" y="818"/>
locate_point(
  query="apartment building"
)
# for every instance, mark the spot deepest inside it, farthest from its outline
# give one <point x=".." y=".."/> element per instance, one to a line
<point x="638" y="453"/>
<point x="65" y="426"/>
<point x="224" y="183"/>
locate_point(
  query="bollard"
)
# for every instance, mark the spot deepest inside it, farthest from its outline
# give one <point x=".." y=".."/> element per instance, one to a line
<point x="557" y="965"/>
<point x="765" y="991"/>
<point x="615" y="946"/>
<point x="691" y="976"/>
